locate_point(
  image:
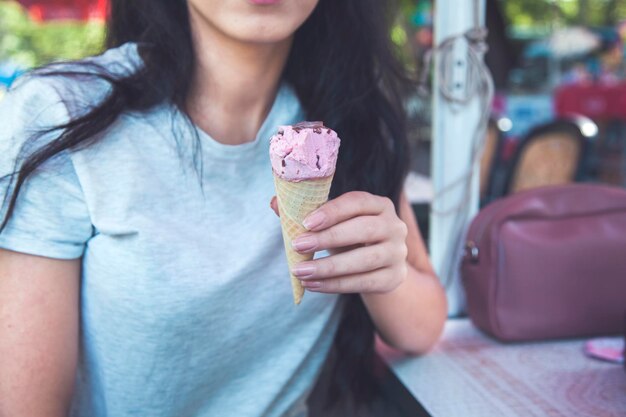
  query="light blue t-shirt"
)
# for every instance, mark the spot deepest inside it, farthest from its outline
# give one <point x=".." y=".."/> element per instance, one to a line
<point x="186" y="305"/>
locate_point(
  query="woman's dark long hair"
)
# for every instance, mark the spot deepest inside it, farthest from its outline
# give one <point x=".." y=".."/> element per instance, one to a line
<point x="344" y="71"/>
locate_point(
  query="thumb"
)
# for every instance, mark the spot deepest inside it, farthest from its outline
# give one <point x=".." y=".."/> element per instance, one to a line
<point x="274" y="206"/>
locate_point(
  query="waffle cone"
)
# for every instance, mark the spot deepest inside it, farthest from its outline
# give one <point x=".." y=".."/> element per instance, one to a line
<point x="296" y="200"/>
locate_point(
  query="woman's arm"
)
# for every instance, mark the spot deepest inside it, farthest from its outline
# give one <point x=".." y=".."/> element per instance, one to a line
<point x="39" y="310"/>
<point x="382" y="257"/>
<point x="411" y="317"/>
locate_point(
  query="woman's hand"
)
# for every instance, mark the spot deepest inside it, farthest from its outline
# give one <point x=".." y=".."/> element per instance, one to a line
<point x="367" y="242"/>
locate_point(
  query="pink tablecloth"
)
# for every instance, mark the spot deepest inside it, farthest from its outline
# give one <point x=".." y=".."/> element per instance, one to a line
<point x="470" y="375"/>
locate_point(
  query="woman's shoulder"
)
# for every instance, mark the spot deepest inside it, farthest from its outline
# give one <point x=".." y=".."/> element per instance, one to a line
<point x="50" y="97"/>
<point x="119" y="61"/>
<point x="77" y="85"/>
<point x="32" y="104"/>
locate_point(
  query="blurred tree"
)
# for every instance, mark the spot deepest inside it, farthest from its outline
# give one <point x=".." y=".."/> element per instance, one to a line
<point x="545" y="14"/>
<point x="31" y="44"/>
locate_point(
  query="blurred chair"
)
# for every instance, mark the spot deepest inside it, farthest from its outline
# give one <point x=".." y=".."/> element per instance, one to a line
<point x="606" y="105"/>
<point x="492" y="168"/>
<point x="551" y="154"/>
<point x="611" y="150"/>
<point x="610" y="153"/>
<point x="488" y="159"/>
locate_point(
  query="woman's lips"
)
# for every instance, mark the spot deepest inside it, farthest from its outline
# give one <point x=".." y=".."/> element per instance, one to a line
<point x="264" y="2"/>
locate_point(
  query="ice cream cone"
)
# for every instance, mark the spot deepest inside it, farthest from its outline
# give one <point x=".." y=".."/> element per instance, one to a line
<point x="296" y="200"/>
<point x="303" y="158"/>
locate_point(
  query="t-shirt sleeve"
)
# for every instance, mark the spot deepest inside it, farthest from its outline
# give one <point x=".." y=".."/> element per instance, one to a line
<point x="51" y="217"/>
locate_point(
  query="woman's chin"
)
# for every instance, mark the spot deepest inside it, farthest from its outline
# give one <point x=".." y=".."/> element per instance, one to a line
<point x="260" y="21"/>
<point x="261" y="33"/>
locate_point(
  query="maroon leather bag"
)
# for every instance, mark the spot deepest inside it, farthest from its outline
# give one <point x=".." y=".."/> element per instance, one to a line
<point x="548" y="263"/>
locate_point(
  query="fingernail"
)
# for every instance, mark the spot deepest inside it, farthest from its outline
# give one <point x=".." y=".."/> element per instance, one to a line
<point x="303" y="270"/>
<point x="304" y="243"/>
<point x="314" y="220"/>
<point x="311" y="285"/>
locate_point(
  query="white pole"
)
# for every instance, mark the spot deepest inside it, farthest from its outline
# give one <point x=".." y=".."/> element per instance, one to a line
<point x="453" y="129"/>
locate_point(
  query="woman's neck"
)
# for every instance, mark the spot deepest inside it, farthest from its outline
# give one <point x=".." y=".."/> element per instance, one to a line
<point x="234" y="83"/>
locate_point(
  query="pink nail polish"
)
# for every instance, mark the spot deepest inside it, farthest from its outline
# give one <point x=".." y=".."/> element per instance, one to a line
<point x="311" y="285"/>
<point x="314" y="220"/>
<point x="303" y="271"/>
<point x="304" y="243"/>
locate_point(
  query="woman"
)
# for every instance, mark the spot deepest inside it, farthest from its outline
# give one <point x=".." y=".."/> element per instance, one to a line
<point x="141" y="272"/>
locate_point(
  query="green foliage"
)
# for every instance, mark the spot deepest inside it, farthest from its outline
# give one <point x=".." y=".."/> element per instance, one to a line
<point x="542" y="16"/>
<point x="32" y="44"/>
<point x="601" y="12"/>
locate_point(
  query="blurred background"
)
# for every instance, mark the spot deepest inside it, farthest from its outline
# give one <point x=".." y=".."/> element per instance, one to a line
<point x="33" y="33"/>
<point x="559" y="114"/>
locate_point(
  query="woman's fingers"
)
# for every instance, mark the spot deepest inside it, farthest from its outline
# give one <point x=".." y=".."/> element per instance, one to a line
<point x="356" y="231"/>
<point x="356" y="261"/>
<point x="368" y="242"/>
<point x="274" y="205"/>
<point x="378" y="281"/>
<point x="346" y="206"/>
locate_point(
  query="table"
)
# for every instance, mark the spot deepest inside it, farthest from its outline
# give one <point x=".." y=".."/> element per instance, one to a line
<point x="471" y="375"/>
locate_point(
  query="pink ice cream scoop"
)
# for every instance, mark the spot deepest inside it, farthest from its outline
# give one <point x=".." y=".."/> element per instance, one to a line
<point x="304" y="151"/>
